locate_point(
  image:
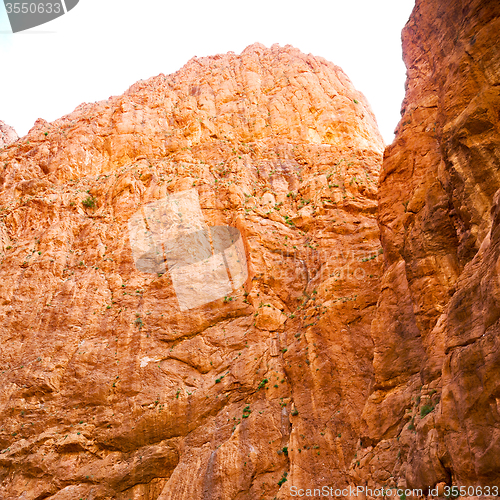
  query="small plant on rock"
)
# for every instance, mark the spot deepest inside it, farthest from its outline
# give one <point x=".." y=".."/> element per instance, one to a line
<point x="89" y="202"/>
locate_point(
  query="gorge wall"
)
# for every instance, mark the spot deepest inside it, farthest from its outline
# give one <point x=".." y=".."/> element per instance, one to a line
<point x="434" y="415"/>
<point x="108" y="389"/>
<point x="363" y="347"/>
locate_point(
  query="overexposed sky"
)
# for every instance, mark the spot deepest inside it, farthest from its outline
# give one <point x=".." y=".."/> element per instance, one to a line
<point x="101" y="47"/>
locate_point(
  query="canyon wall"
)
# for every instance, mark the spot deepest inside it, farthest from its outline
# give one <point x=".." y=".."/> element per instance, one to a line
<point x="433" y="417"/>
<point x="108" y="389"/>
<point x="362" y="348"/>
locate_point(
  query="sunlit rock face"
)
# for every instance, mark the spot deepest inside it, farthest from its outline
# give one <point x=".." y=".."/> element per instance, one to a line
<point x="188" y="277"/>
<point x="7" y="134"/>
<point x="433" y="416"/>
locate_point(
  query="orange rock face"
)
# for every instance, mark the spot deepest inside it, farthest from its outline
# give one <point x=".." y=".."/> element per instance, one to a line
<point x="108" y="389"/>
<point x="433" y="416"/>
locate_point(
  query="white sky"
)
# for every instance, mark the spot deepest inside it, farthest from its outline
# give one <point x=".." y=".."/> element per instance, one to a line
<point x="101" y="47"/>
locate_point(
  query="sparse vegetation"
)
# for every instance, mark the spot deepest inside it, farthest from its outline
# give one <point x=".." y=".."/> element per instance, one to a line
<point x="283" y="479"/>
<point x="426" y="409"/>
<point x="411" y="427"/>
<point x="263" y="383"/>
<point x="89" y="202"/>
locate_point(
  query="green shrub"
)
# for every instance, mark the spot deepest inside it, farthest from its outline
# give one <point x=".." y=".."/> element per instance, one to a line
<point x="263" y="383"/>
<point x="426" y="409"/>
<point x="89" y="202"/>
<point x="283" y="479"/>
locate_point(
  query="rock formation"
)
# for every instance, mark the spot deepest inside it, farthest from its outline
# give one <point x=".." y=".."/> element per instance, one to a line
<point x="7" y="134"/>
<point x="108" y="389"/>
<point x="433" y="417"/>
<point x="339" y="356"/>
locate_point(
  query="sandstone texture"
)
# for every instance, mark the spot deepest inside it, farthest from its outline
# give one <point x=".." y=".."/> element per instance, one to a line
<point x="109" y="391"/>
<point x="7" y="134"/>
<point x="433" y="417"/>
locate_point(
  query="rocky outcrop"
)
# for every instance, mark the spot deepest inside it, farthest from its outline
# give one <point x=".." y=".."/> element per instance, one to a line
<point x="330" y="360"/>
<point x="433" y="417"/>
<point x="108" y="389"/>
<point x="7" y="134"/>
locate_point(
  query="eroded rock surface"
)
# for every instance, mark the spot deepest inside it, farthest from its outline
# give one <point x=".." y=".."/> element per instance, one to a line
<point x="434" y="415"/>
<point x="108" y="389"/>
<point x="7" y="134"/>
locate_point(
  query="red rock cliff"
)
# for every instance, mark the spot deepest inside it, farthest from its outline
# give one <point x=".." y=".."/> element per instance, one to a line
<point x="108" y="389"/>
<point x="434" y="415"/>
